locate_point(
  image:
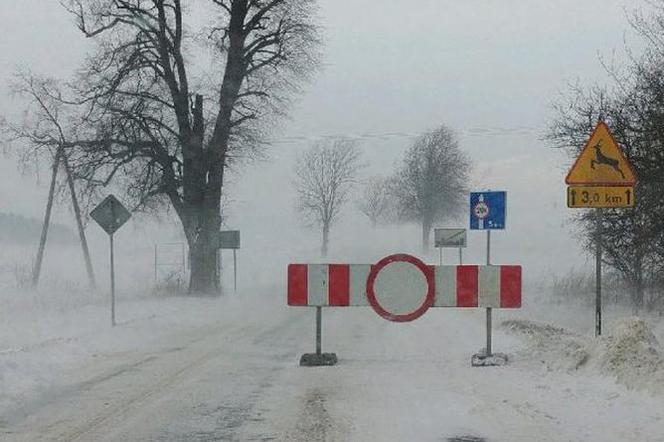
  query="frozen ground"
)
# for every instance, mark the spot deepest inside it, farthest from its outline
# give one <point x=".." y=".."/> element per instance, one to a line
<point x="226" y="369"/>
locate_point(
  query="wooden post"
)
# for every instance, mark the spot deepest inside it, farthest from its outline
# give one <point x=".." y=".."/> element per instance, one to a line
<point x="79" y="224"/>
<point x="36" y="270"/>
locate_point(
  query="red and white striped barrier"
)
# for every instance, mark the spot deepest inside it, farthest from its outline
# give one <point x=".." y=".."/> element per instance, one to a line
<point x="328" y="285"/>
<point x="402" y="288"/>
<point x="344" y="285"/>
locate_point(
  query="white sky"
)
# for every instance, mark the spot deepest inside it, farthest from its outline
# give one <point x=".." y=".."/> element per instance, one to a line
<point x="392" y="66"/>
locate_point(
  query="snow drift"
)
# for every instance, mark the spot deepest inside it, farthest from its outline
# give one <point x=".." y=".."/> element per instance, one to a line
<point x="631" y="353"/>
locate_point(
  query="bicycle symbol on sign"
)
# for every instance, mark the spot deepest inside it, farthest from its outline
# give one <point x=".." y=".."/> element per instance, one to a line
<point x="481" y="210"/>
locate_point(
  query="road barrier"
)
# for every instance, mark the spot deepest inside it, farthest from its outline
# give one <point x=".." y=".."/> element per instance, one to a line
<point x="344" y="285"/>
<point x="399" y="288"/>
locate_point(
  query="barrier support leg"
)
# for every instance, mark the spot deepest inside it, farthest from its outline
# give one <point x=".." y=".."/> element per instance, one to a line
<point x="319" y="358"/>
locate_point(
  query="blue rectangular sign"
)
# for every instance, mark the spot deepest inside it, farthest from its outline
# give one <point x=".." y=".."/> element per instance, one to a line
<point x="487" y="210"/>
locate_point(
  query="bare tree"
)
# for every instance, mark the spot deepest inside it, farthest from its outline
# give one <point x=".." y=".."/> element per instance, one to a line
<point x="376" y="201"/>
<point x="431" y="183"/>
<point x="142" y="125"/>
<point x="631" y="238"/>
<point x="44" y="129"/>
<point x="633" y="106"/>
<point x="324" y="176"/>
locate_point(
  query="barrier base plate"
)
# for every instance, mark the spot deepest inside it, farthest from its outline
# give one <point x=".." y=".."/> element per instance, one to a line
<point x="493" y="360"/>
<point x="318" y="360"/>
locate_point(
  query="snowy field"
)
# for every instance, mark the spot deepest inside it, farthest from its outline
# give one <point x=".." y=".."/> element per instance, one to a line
<point x="178" y="368"/>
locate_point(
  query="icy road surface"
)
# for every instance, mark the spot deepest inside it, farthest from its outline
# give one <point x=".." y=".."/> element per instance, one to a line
<point x="227" y="369"/>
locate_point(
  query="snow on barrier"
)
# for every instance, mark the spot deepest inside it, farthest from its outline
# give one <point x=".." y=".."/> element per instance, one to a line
<point x="399" y="288"/>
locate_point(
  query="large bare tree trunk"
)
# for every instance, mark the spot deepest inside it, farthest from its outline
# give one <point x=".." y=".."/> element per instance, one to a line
<point x="426" y="230"/>
<point x="202" y="238"/>
<point x="36" y="270"/>
<point x="199" y="206"/>
<point x="204" y="278"/>
<point x="79" y="224"/>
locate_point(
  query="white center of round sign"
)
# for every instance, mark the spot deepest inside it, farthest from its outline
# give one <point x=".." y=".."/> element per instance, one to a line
<point x="400" y="288"/>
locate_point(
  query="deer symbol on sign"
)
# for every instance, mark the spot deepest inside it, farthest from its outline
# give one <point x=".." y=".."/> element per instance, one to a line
<point x="600" y="158"/>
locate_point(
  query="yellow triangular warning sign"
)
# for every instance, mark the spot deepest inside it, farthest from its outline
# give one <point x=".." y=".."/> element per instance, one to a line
<point x="602" y="162"/>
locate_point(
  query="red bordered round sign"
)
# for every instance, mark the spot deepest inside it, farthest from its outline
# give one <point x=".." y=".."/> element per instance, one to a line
<point x="481" y="210"/>
<point x="427" y="274"/>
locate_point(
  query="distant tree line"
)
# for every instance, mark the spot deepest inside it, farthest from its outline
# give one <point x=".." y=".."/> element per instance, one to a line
<point x="17" y="229"/>
<point x="428" y="187"/>
<point x="633" y="107"/>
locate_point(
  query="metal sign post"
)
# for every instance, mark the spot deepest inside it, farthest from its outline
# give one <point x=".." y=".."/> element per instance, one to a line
<point x="318" y="359"/>
<point x="319" y="320"/>
<point x="112" y="282"/>
<point x="110" y="214"/>
<point x="449" y="238"/>
<point x="488" y="310"/>
<point x="235" y="270"/>
<point x="487" y="212"/>
<point x="230" y="239"/>
<point x="598" y="273"/>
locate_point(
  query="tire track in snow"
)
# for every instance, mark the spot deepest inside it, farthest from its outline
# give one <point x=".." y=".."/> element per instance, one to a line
<point x="231" y="418"/>
<point x="315" y="421"/>
<point x="115" y="419"/>
<point x="126" y="406"/>
<point x="107" y="408"/>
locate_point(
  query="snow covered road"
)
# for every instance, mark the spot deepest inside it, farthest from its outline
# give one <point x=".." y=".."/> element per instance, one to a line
<point x="229" y="372"/>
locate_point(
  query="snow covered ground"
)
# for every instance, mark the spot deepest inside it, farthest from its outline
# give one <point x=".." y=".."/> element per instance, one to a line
<point x="178" y="368"/>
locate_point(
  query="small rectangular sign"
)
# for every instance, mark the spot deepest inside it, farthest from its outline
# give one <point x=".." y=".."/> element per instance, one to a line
<point x="229" y="239"/>
<point x="600" y="196"/>
<point x="449" y="237"/>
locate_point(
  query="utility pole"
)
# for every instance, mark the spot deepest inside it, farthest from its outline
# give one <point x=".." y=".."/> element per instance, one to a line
<point x="36" y="270"/>
<point x="79" y="224"/>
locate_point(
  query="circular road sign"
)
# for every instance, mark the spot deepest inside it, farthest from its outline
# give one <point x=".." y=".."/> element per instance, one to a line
<point x="400" y="288"/>
<point x="481" y="210"/>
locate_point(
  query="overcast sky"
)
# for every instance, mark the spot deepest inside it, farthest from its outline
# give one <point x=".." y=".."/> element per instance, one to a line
<point x="490" y="69"/>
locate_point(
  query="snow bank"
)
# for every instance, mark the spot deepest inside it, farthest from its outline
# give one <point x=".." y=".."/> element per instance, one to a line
<point x="553" y="347"/>
<point x="630" y="353"/>
<point x="633" y="355"/>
